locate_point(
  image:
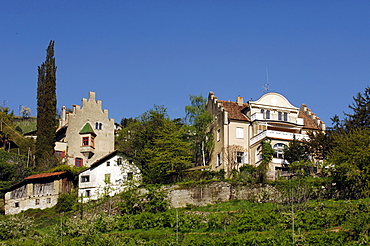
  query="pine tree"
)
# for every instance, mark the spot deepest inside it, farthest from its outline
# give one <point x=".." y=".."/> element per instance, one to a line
<point x="361" y="111"/>
<point x="46" y="108"/>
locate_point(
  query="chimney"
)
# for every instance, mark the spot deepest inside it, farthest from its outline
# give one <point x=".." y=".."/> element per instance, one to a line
<point x="63" y="115"/>
<point x="239" y="101"/>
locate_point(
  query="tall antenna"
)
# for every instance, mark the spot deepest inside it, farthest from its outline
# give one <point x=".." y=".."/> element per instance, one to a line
<point x="266" y="85"/>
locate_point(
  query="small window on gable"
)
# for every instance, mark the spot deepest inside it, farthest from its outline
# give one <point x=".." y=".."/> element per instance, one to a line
<point x="100" y="126"/>
<point x="16" y="204"/>
<point x="97" y="125"/>
<point x="78" y="162"/>
<point x="60" y="154"/>
<point x="119" y="161"/>
<point x="239" y="132"/>
<point x="85" y="141"/>
<point x="85" y="179"/>
<point x="108" y="163"/>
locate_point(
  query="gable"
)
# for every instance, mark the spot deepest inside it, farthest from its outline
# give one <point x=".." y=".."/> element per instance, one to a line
<point x="275" y="100"/>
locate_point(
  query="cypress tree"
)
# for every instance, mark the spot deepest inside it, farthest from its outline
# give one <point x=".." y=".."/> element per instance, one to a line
<point x="46" y="108"/>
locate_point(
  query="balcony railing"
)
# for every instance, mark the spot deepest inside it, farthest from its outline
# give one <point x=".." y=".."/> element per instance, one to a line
<point x="279" y="135"/>
<point x="261" y="116"/>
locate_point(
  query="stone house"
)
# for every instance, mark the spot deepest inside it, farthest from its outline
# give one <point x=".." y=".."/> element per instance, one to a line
<point x="86" y="134"/>
<point x="239" y="128"/>
<point x="107" y="176"/>
<point x="37" y="191"/>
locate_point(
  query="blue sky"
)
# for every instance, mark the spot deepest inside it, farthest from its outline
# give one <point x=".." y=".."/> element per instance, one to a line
<point x="137" y="54"/>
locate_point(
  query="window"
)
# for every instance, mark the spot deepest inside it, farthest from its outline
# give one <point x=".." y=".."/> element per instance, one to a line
<point x="107" y="178"/>
<point x="87" y="193"/>
<point x="16" y="204"/>
<point x="85" y="179"/>
<point x="267" y="114"/>
<point x="98" y="126"/>
<point x="48" y="200"/>
<point x="119" y="161"/>
<point x="92" y="142"/>
<point x="78" y="162"/>
<point x="239" y="132"/>
<point x="240" y="157"/>
<point x="218" y="134"/>
<point x="130" y="176"/>
<point x="60" y="154"/>
<point x="279" y="150"/>
<point x="108" y="163"/>
<point x="280" y="116"/>
<point x="85" y="141"/>
<point x="37" y="202"/>
<point x="218" y="160"/>
<point x="285" y="116"/>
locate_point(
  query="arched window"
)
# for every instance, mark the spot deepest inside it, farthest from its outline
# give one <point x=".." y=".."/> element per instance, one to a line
<point x="279" y="150"/>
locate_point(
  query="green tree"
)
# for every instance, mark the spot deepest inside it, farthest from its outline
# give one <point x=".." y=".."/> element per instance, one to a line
<point x="46" y="109"/>
<point x="267" y="154"/>
<point x="157" y="144"/>
<point x="351" y="160"/>
<point x="319" y="144"/>
<point x="296" y="151"/>
<point x="201" y="136"/>
<point x="361" y="112"/>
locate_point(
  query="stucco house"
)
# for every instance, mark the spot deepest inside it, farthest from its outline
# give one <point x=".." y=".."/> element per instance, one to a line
<point x="107" y="176"/>
<point x="37" y="191"/>
<point x="86" y="134"/>
<point x="239" y="128"/>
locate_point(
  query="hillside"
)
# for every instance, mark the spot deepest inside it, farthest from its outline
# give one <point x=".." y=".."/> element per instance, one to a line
<point x="238" y="222"/>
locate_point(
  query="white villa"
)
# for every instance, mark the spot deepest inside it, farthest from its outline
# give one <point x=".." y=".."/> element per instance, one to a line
<point x="239" y="127"/>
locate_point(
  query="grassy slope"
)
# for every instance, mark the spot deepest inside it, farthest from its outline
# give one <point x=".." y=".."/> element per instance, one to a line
<point x="327" y="222"/>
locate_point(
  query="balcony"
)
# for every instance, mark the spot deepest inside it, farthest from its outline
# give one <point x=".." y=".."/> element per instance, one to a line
<point x="274" y="117"/>
<point x="87" y="149"/>
<point x="278" y="135"/>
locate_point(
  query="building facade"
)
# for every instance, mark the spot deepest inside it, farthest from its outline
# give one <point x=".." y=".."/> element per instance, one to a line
<point x="86" y="134"/>
<point x="108" y="176"/>
<point x="239" y="128"/>
<point x="37" y="191"/>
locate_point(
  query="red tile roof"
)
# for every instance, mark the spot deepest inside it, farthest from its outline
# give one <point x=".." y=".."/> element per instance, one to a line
<point x="234" y="110"/>
<point x="45" y="175"/>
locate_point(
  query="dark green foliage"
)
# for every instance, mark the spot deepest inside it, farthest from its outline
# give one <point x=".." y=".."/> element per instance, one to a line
<point x="66" y="202"/>
<point x="296" y="151"/>
<point x="351" y="159"/>
<point x="267" y="152"/>
<point x="46" y="110"/>
<point x="319" y="144"/>
<point x="158" y="145"/>
<point x="360" y="118"/>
